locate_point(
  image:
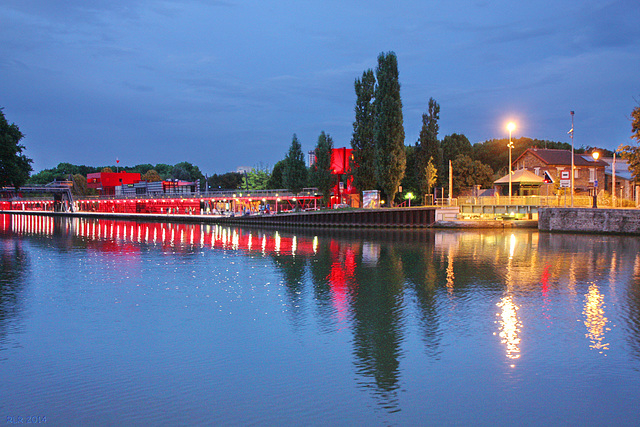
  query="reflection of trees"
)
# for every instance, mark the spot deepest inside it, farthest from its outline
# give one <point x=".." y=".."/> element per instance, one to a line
<point x="14" y="264"/>
<point x="425" y="275"/>
<point x="633" y="313"/>
<point x="292" y="268"/>
<point x="377" y="323"/>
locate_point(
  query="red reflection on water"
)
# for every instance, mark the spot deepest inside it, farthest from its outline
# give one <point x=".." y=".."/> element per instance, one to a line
<point x="341" y="276"/>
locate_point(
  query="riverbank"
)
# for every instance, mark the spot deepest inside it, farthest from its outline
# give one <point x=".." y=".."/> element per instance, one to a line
<point x="387" y="218"/>
<point x="589" y="220"/>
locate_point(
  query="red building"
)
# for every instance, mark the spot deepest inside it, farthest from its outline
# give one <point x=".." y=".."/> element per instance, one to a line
<point x="106" y="182"/>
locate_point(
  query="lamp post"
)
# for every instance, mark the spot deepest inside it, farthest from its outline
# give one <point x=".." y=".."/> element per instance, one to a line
<point x="613" y="181"/>
<point x="510" y="127"/>
<point x="595" y="156"/>
<point x="572" y="164"/>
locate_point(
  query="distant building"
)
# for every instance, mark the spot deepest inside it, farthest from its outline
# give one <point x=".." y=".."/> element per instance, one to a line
<point x="625" y="184"/>
<point x="548" y="164"/>
<point x="106" y="182"/>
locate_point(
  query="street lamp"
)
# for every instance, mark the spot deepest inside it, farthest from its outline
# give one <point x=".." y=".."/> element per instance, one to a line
<point x="596" y="156"/>
<point x="510" y="127"/>
<point x="572" y="158"/>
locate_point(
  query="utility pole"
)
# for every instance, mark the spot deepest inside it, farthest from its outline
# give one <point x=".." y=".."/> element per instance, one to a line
<point x="572" y="165"/>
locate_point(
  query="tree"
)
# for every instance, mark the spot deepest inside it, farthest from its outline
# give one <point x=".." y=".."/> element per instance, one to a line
<point x="151" y="176"/>
<point x="256" y="179"/>
<point x="431" y="175"/>
<point x="468" y="172"/>
<point x="321" y="176"/>
<point x="410" y="180"/>
<point x="276" y="181"/>
<point x="428" y="146"/>
<point x="106" y="170"/>
<point x="227" y="181"/>
<point x="80" y="186"/>
<point x="389" y="128"/>
<point x="294" y="173"/>
<point x="14" y="166"/>
<point x="363" y="168"/>
<point x="632" y="153"/>
<point x="453" y="146"/>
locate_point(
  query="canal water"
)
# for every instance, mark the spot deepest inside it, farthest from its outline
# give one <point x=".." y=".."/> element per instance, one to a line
<point x="117" y="322"/>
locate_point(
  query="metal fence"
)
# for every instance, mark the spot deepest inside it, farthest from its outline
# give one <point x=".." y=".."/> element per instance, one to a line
<point x="604" y="200"/>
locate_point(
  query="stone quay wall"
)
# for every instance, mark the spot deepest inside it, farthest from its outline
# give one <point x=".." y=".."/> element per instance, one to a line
<point x="614" y="221"/>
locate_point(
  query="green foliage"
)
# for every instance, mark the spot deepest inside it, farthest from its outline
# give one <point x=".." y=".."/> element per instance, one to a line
<point x="410" y="180"/>
<point x="106" y="170"/>
<point x="468" y="172"/>
<point x="631" y="153"/>
<point x="363" y="168"/>
<point x="185" y="171"/>
<point x="428" y="145"/>
<point x="276" y="181"/>
<point x="295" y="172"/>
<point x="389" y="128"/>
<point x="256" y="179"/>
<point x="321" y="176"/>
<point x="226" y="181"/>
<point x="455" y="145"/>
<point x="14" y="166"/>
<point x="164" y="170"/>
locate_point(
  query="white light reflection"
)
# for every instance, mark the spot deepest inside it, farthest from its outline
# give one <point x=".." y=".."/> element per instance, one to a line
<point x="315" y="244"/>
<point x="512" y="246"/>
<point x="595" y="321"/>
<point x="294" y="245"/>
<point x="509" y="326"/>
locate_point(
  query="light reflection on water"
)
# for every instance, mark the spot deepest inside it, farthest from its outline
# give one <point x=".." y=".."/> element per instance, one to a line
<point x="125" y="321"/>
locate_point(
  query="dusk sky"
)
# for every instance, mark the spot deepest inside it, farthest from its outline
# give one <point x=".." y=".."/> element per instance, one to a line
<point x="226" y="83"/>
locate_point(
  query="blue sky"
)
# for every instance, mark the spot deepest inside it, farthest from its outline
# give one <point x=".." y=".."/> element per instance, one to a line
<point x="226" y="83"/>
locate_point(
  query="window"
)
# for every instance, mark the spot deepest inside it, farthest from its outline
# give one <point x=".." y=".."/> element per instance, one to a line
<point x="592" y="174"/>
<point x="536" y="171"/>
<point x="575" y="173"/>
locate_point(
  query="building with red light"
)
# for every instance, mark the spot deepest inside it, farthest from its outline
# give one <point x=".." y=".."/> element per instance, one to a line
<point x="106" y="182"/>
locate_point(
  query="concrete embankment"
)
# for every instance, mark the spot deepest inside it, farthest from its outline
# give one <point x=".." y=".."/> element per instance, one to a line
<point x="383" y="218"/>
<point x="588" y="220"/>
<point x="488" y="223"/>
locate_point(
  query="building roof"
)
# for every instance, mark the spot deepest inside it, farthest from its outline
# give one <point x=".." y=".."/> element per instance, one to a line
<point x="562" y="158"/>
<point x="622" y="168"/>
<point x="521" y="176"/>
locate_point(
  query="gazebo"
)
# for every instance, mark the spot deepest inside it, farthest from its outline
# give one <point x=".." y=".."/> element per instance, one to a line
<point x="523" y="183"/>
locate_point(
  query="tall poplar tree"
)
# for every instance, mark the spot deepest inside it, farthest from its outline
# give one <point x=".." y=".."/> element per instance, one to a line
<point x="321" y="175"/>
<point x="294" y="174"/>
<point x="363" y="168"/>
<point x="14" y="166"/>
<point x="389" y="129"/>
<point x="428" y="146"/>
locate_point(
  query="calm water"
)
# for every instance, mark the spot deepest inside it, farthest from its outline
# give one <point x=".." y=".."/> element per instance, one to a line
<point x="116" y="322"/>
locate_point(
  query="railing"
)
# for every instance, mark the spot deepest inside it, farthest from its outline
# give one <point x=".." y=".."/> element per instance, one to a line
<point x="604" y="200"/>
<point x="218" y="194"/>
<point x="446" y="202"/>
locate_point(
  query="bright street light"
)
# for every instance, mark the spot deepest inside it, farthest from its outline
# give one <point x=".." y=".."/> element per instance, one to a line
<point x="510" y="127"/>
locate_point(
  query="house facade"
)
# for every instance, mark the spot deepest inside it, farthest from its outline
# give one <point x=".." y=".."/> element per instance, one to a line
<point x="550" y="164"/>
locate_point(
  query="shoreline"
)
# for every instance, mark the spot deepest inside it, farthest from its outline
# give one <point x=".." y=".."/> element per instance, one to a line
<point x="253" y="220"/>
